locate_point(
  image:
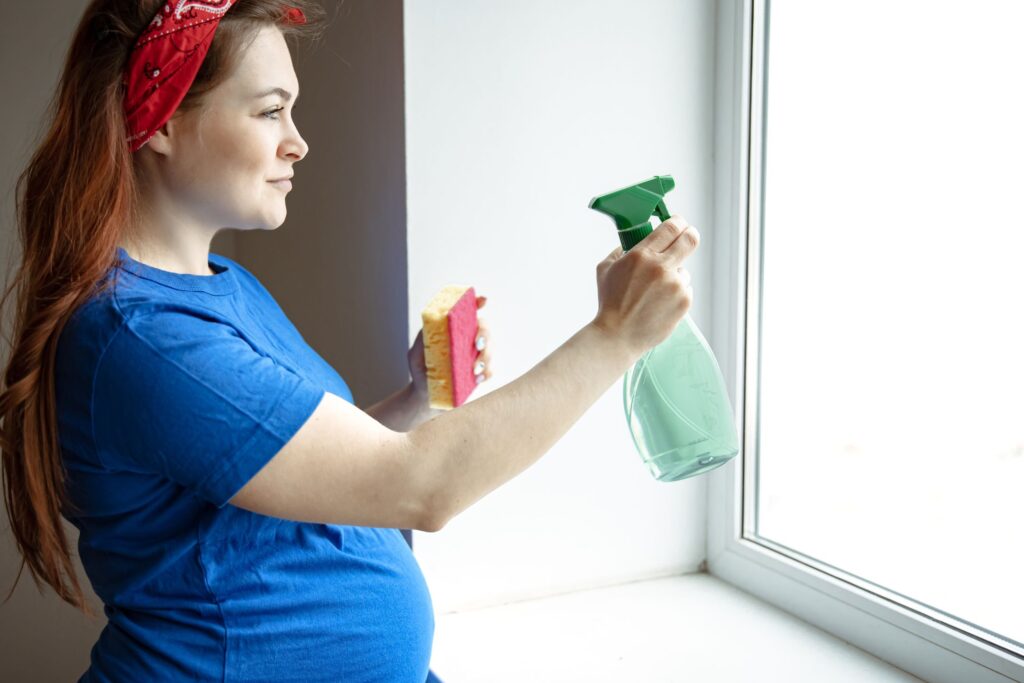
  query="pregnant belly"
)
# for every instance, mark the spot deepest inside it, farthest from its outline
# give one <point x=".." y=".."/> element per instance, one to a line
<point x="316" y="602"/>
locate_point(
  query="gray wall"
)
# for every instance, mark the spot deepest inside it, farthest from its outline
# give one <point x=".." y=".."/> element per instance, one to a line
<point x="337" y="265"/>
<point x="41" y="637"/>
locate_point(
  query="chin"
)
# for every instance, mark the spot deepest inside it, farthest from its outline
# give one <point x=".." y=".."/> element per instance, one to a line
<point x="272" y="221"/>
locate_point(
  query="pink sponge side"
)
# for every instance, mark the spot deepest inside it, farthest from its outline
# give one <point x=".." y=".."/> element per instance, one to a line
<point x="462" y="330"/>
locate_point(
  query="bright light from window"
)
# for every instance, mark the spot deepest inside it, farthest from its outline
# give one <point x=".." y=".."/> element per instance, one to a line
<point x="892" y="369"/>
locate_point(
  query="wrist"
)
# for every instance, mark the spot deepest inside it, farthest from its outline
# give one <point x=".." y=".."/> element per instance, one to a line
<point x="617" y="347"/>
<point x="416" y="393"/>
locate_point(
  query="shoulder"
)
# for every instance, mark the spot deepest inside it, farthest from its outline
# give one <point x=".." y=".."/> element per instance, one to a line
<point x="150" y="316"/>
<point x="88" y="330"/>
<point x="132" y="302"/>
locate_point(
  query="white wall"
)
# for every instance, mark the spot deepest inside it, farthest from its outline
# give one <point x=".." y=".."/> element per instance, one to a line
<point x="517" y="114"/>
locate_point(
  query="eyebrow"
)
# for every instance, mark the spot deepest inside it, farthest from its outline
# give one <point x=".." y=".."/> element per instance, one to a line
<point x="274" y="91"/>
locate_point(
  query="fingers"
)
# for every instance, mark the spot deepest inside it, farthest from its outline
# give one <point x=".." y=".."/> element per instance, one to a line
<point x="685" y="243"/>
<point x="483" y="356"/>
<point x="665" y="234"/>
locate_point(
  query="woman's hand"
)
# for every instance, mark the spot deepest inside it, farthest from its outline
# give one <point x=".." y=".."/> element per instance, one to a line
<point x="418" y="361"/>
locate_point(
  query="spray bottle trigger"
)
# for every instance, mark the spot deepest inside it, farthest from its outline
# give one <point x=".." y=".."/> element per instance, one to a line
<point x="662" y="210"/>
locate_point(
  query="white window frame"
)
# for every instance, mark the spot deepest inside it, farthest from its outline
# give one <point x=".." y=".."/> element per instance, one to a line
<point x="917" y="640"/>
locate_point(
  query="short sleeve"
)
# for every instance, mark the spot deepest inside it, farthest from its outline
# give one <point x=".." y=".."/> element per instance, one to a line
<point x="188" y="398"/>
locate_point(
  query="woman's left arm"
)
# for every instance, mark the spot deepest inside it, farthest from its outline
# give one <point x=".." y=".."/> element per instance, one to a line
<point x="403" y="410"/>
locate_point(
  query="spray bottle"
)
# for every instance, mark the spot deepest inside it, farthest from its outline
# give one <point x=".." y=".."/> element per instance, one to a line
<point x="675" y="400"/>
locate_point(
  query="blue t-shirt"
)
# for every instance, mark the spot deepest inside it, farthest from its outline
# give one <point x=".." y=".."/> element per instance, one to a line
<point x="171" y="394"/>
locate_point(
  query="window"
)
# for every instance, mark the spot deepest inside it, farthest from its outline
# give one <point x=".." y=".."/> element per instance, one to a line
<point x="868" y="224"/>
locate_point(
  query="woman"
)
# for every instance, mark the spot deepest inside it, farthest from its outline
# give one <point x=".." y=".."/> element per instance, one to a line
<point x="238" y="516"/>
<point x="174" y="391"/>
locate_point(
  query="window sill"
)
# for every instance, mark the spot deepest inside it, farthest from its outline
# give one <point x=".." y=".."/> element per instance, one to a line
<point x="693" y="627"/>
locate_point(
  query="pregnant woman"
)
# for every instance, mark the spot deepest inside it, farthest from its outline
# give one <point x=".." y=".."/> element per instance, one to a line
<point x="238" y="516"/>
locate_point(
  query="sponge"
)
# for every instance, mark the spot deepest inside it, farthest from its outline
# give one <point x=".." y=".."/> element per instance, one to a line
<point x="449" y="346"/>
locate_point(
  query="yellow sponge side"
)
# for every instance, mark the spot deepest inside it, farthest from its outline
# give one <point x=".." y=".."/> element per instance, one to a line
<point x="437" y="346"/>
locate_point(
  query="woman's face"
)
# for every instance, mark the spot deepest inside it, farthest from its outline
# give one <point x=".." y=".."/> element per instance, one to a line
<point x="219" y="160"/>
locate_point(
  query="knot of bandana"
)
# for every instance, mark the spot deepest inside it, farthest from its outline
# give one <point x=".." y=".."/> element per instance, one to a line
<point x="166" y="58"/>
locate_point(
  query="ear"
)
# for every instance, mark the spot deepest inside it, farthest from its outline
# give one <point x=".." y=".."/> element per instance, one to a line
<point x="162" y="142"/>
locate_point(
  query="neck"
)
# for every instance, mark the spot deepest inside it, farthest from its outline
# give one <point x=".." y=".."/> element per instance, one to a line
<point x="174" y="244"/>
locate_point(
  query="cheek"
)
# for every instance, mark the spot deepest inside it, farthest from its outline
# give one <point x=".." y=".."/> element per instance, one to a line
<point x="239" y="171"/>
<point x="229" y="171"/>
<point x="239" y="147"/>
<point x="256" y="157"/>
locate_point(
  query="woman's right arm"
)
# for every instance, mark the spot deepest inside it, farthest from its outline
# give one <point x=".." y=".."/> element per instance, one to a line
<point x="344" y="467"/>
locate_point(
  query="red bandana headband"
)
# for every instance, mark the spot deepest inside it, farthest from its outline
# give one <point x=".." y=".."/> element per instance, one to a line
<point x="166" y="59"/>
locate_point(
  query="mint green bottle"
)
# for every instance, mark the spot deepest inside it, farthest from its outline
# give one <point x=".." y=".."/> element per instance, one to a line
<point x="675" y="400"/>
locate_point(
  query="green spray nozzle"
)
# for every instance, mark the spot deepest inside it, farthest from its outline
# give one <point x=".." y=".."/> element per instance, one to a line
<point x="632" y="207"/>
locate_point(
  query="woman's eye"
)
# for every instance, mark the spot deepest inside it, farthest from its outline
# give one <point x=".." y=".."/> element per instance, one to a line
<point x="272" y="114"/>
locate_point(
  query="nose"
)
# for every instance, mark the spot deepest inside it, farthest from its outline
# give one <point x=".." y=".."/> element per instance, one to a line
<point x="294" y="147"/>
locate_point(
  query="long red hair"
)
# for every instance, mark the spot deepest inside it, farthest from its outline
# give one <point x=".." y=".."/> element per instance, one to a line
<point x="75" y="202"/>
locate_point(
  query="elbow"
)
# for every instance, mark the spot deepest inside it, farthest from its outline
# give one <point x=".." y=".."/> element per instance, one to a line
<point x="434" y="516"/>
<point x="428" y="487"/>
<point x="431" y="525"/>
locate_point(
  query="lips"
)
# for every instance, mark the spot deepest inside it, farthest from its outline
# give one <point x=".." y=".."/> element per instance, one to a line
<point x="284" y="183"/>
